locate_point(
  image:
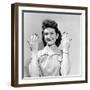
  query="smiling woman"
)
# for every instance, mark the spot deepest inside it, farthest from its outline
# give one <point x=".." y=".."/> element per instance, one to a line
<point x="50" y="61"/>
<point x="51" y="26"/>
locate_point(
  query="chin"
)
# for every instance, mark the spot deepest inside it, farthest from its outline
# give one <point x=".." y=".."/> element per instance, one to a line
<point x="50" y="44"/>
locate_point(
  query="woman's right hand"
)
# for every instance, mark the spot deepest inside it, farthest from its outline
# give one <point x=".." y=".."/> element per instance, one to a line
<point x="33" y="43"/>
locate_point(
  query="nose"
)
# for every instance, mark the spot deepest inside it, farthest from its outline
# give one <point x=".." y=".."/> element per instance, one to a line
<point x="49" y="36"/>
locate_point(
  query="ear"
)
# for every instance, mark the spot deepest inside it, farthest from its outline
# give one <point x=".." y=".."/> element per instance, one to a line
<point x="57" y="35"/>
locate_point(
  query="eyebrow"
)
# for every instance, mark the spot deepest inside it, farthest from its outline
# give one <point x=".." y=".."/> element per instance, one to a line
<point x="48" y="32"/>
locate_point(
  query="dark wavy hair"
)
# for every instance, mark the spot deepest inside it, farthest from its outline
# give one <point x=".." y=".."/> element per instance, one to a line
<point x="51" y="24"/>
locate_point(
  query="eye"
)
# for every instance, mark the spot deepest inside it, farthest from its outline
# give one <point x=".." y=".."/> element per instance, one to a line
<point x="45" y="33"/>
<point x="52" y="33"/>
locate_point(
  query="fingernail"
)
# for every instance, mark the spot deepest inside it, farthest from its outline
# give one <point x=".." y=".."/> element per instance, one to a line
<point x="70" y="39"/>
<point x="36" y="34"/>
<point x="63" y="32"/>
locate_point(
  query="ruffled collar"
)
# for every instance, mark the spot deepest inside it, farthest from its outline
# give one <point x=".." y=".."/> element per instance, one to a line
<point x="48" y="51"/>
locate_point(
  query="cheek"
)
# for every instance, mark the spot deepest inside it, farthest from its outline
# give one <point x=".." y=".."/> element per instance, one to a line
<point x="45" y="37"/>
<point x="54" y="37"/>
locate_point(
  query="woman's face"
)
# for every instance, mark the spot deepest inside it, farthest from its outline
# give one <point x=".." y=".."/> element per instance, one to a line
<point x="50" y="36"/>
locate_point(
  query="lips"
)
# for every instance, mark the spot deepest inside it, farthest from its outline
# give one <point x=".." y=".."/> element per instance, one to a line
<point x="49" y="39"/>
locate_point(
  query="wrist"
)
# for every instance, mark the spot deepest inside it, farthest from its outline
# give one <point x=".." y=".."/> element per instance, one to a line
<point x="34" y="56"/>
<point x="66" y="51"/>
<point x="34" y="52"/>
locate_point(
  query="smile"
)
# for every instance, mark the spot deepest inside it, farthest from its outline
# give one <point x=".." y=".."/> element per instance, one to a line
<point x="49" y="39"/>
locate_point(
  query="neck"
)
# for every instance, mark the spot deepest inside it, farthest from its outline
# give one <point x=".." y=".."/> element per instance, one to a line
<point x="52" y="47"/>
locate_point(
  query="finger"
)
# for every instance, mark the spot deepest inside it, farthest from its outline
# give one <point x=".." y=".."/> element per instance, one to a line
<point x="36" y="34"/>
<point x="28" y="42"/>
<point x="64" y="37"/>
<point x="70" y="39"/>
<point x="31" y="38"/>
<point x="30" y="48"/>
<point x="66" y="40"/>
<point x="35" y="37"/>
<point x="64" y="34"/>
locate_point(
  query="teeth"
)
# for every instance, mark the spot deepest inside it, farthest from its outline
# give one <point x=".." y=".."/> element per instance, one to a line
<point x="48" y="39"/>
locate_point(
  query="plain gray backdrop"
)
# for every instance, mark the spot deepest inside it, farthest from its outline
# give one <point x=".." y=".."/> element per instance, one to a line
<point x="70" y="23"/>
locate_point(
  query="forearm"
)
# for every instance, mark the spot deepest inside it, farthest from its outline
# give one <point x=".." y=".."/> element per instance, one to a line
<point x="33" y="66"/>
<point x="65" y="65"/>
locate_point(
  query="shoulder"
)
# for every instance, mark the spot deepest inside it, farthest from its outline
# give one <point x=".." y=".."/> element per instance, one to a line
<point x="41" y="52"/>
<point x="59" y="51"/>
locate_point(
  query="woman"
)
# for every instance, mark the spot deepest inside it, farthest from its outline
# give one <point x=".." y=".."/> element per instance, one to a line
<point x="50" y="61"/>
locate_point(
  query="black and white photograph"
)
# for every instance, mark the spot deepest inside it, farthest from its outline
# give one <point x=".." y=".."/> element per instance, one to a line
<point x="50" y="43"/>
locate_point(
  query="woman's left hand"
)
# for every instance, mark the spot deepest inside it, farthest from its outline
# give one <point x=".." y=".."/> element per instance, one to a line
<point x="66" y="41"/>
